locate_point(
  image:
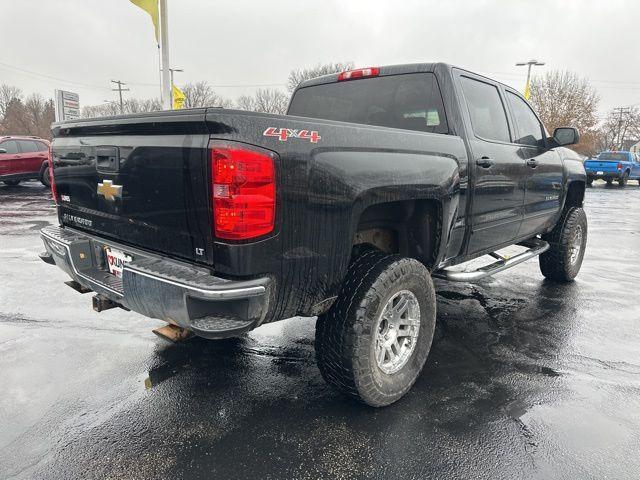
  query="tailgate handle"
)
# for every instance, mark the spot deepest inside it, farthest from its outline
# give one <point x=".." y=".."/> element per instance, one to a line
<point x="107" y="159"/>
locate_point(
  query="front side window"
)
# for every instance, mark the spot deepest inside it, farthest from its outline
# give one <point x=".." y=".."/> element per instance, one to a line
<point x="529" y="130"/>
<point x="488" y="117"/>
<point x="409" y="101"/>
<point x="11" y="146"/>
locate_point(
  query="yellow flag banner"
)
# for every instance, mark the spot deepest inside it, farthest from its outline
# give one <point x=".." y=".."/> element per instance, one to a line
<point x="178" y="98"/>
<point x="151" y="7"/>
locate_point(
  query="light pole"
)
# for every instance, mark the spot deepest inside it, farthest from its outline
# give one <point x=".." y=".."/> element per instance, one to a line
<point x="174" y="70"/>
<point x="171" y="70"/>
<point x="530" y="64"/>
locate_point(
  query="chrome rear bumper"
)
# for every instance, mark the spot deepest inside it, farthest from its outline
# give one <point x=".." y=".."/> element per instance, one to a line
<point x="159" y="287"/>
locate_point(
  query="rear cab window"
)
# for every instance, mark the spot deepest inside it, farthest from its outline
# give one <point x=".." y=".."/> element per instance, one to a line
<point x="409" y="101"/>
<point x="623" y="157"/>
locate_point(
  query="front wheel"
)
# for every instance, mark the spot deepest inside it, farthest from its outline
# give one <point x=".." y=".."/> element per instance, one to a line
<point x="567" y="241"/>
<point x="374" y="341"/>
<point x="11" y="183"/>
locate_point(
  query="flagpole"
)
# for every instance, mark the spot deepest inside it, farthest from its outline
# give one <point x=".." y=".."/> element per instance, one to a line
<point x="164" y="44"/>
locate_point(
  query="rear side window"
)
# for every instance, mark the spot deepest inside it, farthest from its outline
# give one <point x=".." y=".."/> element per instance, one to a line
<point x="42" y="147"/>
<point x="29" y="146"/>
<point x="529" y="130"/>
<point x="488" y="118"/>
<point x="11" y="146"/>
<point x="410" y="101"/>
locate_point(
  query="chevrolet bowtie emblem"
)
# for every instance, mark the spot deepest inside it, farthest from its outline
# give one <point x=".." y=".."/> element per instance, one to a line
<point x="109" y="191"/>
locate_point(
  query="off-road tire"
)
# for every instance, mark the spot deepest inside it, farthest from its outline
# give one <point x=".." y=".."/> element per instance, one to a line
<point x="555" y="263"/>
<point x="345" y="336"/>
<point x="622" y="181"/>
<point x="11" y="183"/>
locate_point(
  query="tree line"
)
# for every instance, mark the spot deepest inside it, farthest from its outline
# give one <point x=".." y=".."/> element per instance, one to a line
<point x="560" y="98"/>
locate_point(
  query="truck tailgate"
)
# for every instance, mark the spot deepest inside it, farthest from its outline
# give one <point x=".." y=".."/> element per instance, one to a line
<point x="139" y="180"/>
<point x="610" y="166"/>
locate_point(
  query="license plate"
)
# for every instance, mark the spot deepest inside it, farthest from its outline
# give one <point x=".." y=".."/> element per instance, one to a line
<point x="599" y="173"/>
<point x="116" y="260"/>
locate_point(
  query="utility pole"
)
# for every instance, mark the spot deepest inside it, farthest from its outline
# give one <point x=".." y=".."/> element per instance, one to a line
<point x="621" y="111"/>
<point x="120" y="90"/>
<point x="530" y="64"/>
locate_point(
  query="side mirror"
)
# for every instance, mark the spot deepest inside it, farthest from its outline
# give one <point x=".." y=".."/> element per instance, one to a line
<point x="2" y="150"/>
<point x="566" y="136"/>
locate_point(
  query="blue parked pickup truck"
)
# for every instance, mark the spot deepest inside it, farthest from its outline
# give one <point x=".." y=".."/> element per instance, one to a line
<point x="610" y="166"/>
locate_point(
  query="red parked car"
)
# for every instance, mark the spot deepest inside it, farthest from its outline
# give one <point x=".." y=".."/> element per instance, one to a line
<point x="24" y="158"/>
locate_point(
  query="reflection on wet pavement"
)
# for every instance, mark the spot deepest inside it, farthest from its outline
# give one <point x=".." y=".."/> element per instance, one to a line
<point x="526" y="379"/>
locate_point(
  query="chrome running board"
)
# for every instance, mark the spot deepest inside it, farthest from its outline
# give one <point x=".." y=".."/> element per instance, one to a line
<point x="535" y="248"/>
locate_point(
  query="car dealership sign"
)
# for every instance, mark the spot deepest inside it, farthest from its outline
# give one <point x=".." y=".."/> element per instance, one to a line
<point x="67" y="106"/>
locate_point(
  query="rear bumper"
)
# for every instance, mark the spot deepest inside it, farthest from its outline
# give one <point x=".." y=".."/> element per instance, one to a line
<point x="159" y="287"/>
<point x="603" y="175"/>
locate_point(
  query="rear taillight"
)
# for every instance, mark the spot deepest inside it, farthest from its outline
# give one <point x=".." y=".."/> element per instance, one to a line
<point x="54" y="192"/>
<point x="359" y="73"/>
<point x="619" y="166"/>
<point x="244" y="192"/>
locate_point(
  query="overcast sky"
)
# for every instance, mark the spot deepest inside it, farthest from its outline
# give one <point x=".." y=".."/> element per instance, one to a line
<point x="235" y="43"/>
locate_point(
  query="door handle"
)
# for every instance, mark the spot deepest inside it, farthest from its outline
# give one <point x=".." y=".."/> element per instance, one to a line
<point x="532" y="162"/>
<point x="484" y="162"/>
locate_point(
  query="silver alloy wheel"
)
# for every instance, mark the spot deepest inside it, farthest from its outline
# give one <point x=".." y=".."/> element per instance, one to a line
<point x="576" y="245"/>
<point x="397" y="330"/>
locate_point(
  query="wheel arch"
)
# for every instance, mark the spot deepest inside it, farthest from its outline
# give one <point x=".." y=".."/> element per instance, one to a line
<point x="575" y="194"/>
<point x="412" y="228"/>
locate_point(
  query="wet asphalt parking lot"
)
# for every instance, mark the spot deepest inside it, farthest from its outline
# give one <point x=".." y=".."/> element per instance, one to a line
<point x="526" y="379"/>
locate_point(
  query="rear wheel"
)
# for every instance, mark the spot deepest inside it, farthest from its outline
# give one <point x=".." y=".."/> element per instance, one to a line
<point x="609" y="181"/>
<point x="622" y="181"/>
<point x="589" y="180"/>
<point x="374" y="341"/>
<point x="45" y="178"/>
<point x="567" y="241"/>
<point x="11" y="183"/>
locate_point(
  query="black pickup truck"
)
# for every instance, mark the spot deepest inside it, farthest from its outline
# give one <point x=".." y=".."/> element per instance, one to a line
<point x="218" y="221"/>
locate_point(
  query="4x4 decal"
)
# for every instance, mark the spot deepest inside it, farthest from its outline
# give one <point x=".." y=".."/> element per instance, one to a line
<point x="284" y="134"/>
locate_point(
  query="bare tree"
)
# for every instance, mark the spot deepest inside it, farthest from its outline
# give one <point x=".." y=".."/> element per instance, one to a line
<point x="266" y="100"/>
<point x="108" y="109"/>
<point x="34" y="116"/>
<point x="563" y="99"/>
<point x="201" y="94"/>
<point x="7" y="94"/>
<point x="130" y="105"/>
<point x="617" y="128"/>
<point x="299" y="75"/>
